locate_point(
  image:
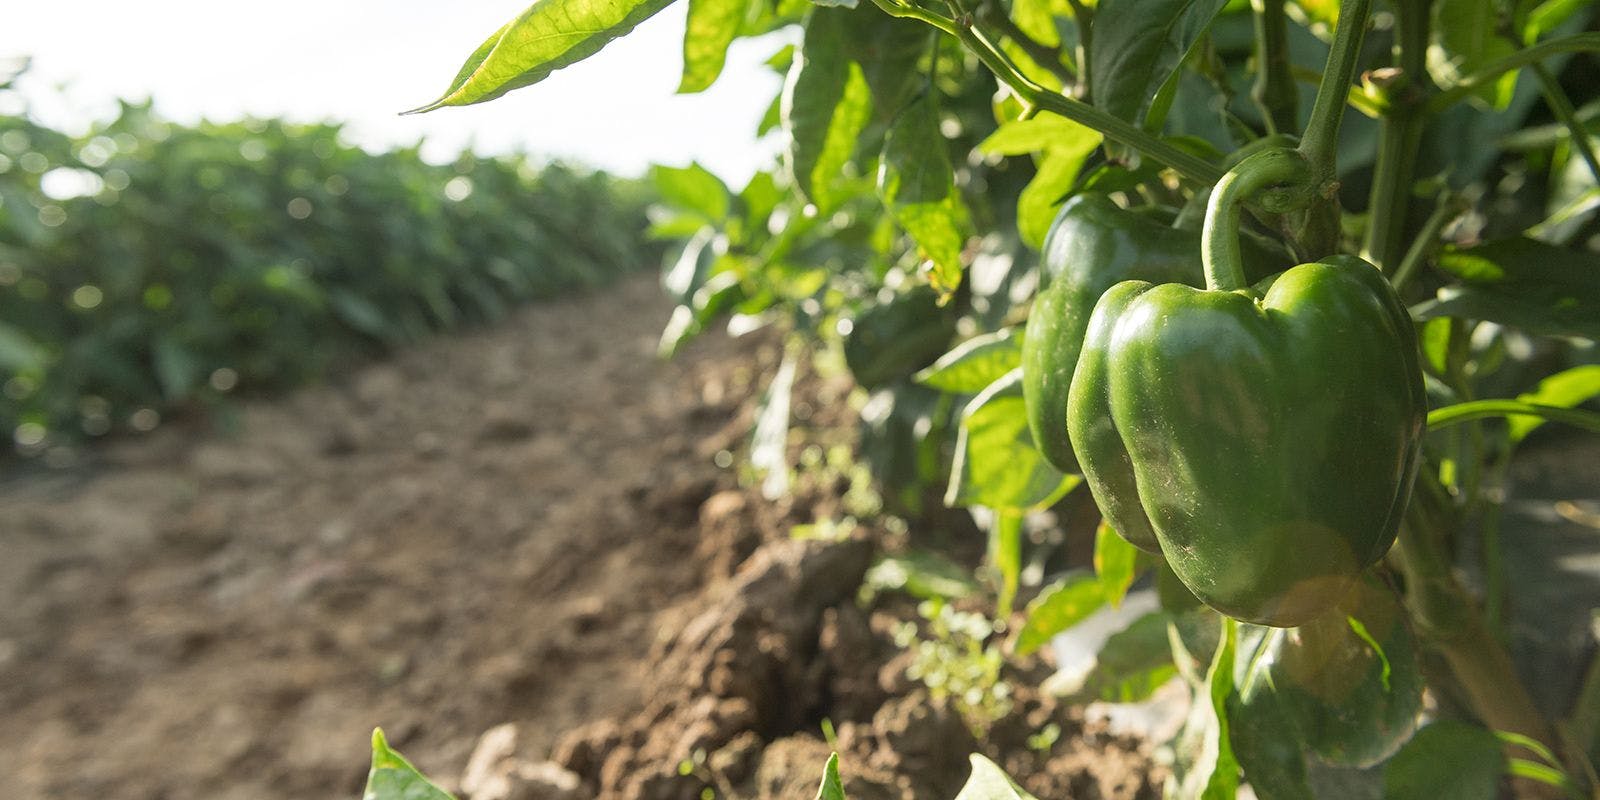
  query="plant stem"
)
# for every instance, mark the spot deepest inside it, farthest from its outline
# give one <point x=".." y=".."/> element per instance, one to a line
<point x="1399" y="140"/>
<point x="1219" y="238"/>
<point x="1448" y="619"/>
<point x="1449" y="207"/>
<point x="1114" y="128"/>
<point x="1485" y="409"/>
<point x="1577" y="43"/>
<point x="1321" y="142"/>
<point x="1042" y="54"/>
<point x="1561" y="107"/>
<point x="1274" y="91"/>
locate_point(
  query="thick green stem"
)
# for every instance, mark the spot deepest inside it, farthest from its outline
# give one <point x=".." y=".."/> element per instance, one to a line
<point x="1321" y="142"/>
<point x="1219" y="238"/>
<point x="1188" y="165"/>
<point x="1399" y="140"/>
<point x="1274" y="90"/>
<point x="1449" y="620"/>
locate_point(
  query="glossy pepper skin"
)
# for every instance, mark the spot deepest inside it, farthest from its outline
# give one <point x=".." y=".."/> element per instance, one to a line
<point x="1093" y="245"/>
<point x="1266" y="439"/>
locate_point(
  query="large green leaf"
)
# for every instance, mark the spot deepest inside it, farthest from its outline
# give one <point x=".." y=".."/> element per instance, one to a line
<point x="989" y="782"/>
<point x="1522" y="283"/>
<point x="393" y="778"/>
<point x="889" y="50"/>
<point x="1138" y="48"/>
<point x="712" y="26"/>
<point x="1447" y="761"/>
<point x="826" y="103"/>
<point x="918" y="185"/>
<point x="1115" y="561"/>
<point x="996" y="464"/>
<point x="549" y="35"/>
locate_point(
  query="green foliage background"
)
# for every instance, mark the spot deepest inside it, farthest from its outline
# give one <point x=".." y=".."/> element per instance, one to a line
<point x="193" y="259"/>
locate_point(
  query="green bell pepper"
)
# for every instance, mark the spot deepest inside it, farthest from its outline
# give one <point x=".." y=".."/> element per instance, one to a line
<point x="1092" y="245"/>
<point x="1266" y="439"/>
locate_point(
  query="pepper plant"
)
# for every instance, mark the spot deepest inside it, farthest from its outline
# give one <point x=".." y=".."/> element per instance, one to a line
<point x="1283" y="285"/>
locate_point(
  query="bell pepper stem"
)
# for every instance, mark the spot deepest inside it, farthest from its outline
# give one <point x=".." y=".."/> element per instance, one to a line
<point x="1278" y="168"/>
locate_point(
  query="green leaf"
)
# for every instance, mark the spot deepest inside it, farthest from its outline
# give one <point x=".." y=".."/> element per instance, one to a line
<point x="1523" y="283"/>
<point x="1132" y="664"/>
<point x="921" y="575"/>
<point x="549" y="35"/>
<point x="1205" y="768"/>
<point x="1483" y="409"/>
<point x="712" y="26"/>
<point x="996" y="464"/>
<point x="692" y="188"/>
<point x="393" y="778"/>
<point x="918" y="185"/>
<point x="1447" y="760"/>
<point x="1138" y="47"/>
<point x="989" y="782"/>
<point x="826" y="103"/>
<point x="1465" y="39"/>
<point x="1548" y="16"/>
<point x="975" y="363"/>
<point x="1562" y="390"/>
<point x="832" y="788"/>
<point x="1059" y="607"/>
<point x="1063" y="146"/>
<point x="1115" y="561"/>
<point x="889" y="50"/>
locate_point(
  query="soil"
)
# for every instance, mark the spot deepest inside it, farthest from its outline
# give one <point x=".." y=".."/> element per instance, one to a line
<point x="514" y="550"/>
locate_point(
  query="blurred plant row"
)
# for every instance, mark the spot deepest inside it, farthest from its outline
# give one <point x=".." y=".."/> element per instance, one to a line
<point x="147" y="266"/>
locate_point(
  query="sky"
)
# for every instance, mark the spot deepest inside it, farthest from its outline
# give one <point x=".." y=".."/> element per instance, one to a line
<point x="364" y="62"/>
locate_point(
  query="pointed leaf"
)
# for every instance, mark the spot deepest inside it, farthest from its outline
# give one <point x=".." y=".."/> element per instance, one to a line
<point x="989" y="782"/>
<point x="832" y="788"/>
<point x="975" y="363"/>
<point x="918" y="185"/>
<point x="1562" y="390"/>
<point x="712" y="26"/>
<point x="1057" y="608"/>
<point x="393" y="778"/>
<point x="549" y="35"/>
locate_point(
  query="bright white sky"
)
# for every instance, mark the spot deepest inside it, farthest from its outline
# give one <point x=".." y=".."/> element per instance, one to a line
<point x="361" y="63"/>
